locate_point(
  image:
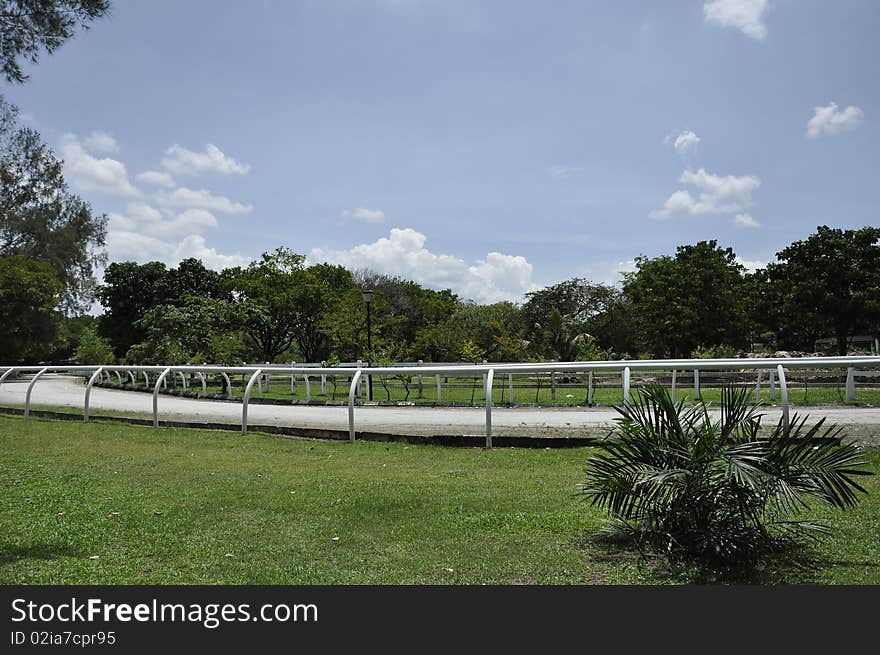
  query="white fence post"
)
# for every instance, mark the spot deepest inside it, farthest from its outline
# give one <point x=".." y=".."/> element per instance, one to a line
<point x="783" y="389"/>
<point x="626" y="376"/>
<point x="697" y="384"/>
<point x="91" y="381"/>
<point x="355" y="381"/>
<point x="674" y="375"/>
<point x="308" y="387"/>
<point x="159" y="383"/>
<point x="590" y="389"/>
<point x="439" y="392"/>
<point x="246" y="397"/>
<point x="487" y="394"/>
<point x="323" y="384"/>
<point x="30" y="388"/>
<point x="850" y="384"/>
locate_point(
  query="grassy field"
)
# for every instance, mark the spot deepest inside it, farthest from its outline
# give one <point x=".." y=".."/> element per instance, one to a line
<point x="105" y="503"/>
<point x="464" y="391"/>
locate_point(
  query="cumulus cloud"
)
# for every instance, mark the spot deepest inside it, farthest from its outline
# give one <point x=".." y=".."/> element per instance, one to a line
<point x="492" y="279"/>
<point x="751" y="265"/>
<point x="684" y="142"/>
<point x="124" y="245"/>
<point x="157" y="178"/>
<point x="747" y="16"/>
<point x="746" y="220"/>
<point x="829" y="120"/>
<point x="143" y="218"/>
<point x="717" y="195"/>
<point x="90" y="173"/>
<point x="201" y="199"/>
<point x="182" y="161"/>
<point x="365" y="215"/>
<point x="99" y="141"/>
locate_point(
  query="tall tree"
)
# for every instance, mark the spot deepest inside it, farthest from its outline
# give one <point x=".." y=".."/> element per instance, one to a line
<point x="695" y="299"/>
<point x="27" y="27"/>
<point x="39" y="218"/>
<point x="29" y="296"/>
<point x="832" y="280"/>
<point x="128" y="292"/>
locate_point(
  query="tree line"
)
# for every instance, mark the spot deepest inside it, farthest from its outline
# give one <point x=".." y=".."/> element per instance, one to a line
<point x="698" y="301"/>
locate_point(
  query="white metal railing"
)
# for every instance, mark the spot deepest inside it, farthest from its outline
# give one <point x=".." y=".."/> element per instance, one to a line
<point x="776" y="366"/>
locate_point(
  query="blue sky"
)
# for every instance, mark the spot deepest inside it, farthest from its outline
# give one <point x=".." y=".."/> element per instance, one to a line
<point x="488" y="146"/>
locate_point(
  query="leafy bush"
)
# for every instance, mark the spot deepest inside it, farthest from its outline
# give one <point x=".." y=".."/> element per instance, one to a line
<point x="94" y="349"/>
<point x="680" y="482"/>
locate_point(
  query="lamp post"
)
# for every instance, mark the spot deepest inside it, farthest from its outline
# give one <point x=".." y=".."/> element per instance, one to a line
<point x="368" y="299"/>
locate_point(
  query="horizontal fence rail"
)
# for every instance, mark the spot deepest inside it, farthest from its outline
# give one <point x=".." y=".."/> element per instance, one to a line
<point x="488" y="371"/>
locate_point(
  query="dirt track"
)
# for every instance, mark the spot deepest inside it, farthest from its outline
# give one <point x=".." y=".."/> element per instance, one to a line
<point x="862" y="423"/>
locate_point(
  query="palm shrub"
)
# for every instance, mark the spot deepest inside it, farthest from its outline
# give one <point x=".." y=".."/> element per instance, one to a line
<point x="680" y="482"/>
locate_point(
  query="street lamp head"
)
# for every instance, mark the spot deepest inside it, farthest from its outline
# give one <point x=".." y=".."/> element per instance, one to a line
<point x="368" y="295"/>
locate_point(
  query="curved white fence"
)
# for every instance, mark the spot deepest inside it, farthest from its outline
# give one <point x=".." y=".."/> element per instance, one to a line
<point x="625" y="367"/>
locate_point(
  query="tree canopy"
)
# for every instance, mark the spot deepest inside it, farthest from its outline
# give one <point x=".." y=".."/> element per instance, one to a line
<point x="27" y="27"/>
<point x="40" y="218"/>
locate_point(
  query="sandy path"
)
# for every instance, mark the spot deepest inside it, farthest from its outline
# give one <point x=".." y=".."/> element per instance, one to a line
<point x="57" y="390"/>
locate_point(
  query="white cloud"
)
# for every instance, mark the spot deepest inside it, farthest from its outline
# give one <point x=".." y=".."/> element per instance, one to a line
<point x="201" y="199"/>
<point x="181" y="161"/>
<point x="495" y="278"/>
<point x="751" y="265"/>
<point x="563" y="172"/>
<point x="745" y="15"/>
<point x="365" y="215"/>
<point x="746" y="220"/>
<point x="157" y="178"/>
<point x="124" y="245"/>
<point x="684" y="143"/>
<point x="91" y="173"/>
<point x="99" y="141"/>
<point x="143" y="218"/>
<point x="717" y="195"/>
<point x="828" y="120"/>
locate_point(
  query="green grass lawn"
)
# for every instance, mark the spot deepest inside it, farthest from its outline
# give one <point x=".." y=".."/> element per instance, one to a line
<point x="101" y="503"/>
<point x="464" y="391"/>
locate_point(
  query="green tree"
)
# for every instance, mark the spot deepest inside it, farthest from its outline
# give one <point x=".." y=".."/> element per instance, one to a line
<point x="695" y="299"/>
<point x="29" y="297"/>
<point x="830" y="282"/>
<point x="194" y="331"/>
<point x="128" y="292"/>
<point x="27" y="27"/>
<point x="39" y="218"/>
<point x="93" y="348"/>
<point x="282" y="303"/>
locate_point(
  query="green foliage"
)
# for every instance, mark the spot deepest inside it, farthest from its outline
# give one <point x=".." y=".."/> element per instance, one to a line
<point x="683" y="484"/>
<point x="27" y="27"/>
<point x="29" y="297"/>
<point x="826" y="285"/>
<point x="282" y="303"/>
<point x="198" y="330"/>
<point x="39" y="218"/>
<point x="715" y="352"/>
<point x="93" y="348"/>
<point x="696" y="298"/>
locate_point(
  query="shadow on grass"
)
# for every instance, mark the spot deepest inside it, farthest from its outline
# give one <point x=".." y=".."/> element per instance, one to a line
<point x="785" y="565"/>
<point x="10" y="554"/>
